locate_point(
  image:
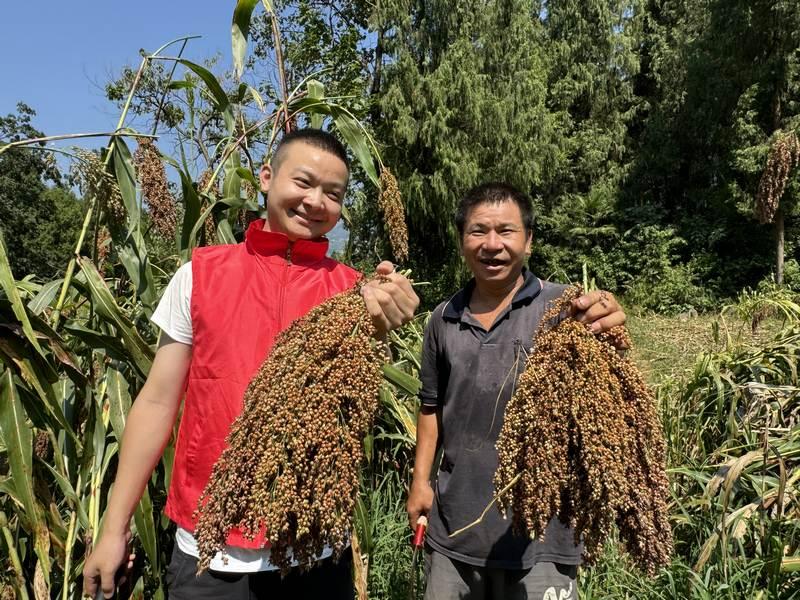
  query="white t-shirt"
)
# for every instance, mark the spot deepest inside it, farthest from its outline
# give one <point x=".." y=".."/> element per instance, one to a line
<point x="173" y="316"/>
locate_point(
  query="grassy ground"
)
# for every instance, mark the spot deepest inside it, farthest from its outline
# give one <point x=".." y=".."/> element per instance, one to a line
<point x="668" y="346"/>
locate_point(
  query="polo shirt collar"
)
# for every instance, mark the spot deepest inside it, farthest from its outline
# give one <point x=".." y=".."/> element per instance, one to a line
<point x="531" y="287"/>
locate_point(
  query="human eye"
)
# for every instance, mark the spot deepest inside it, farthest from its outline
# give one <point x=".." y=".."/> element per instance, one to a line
<point x="303" y="182"/>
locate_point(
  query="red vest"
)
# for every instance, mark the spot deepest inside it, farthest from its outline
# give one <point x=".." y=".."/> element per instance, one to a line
<point x="243" y="295"/>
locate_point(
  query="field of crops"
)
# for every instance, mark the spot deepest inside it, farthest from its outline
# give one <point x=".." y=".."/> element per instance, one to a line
<point x="75" y="351"/>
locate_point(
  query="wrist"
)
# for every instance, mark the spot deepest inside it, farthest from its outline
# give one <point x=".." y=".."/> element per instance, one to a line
<point x="420" y="482"/>
<point x="116" y="525"/>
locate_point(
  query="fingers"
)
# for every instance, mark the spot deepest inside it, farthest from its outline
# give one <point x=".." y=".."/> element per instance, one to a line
<point x="413" y="517"/>
<point x="605" y="323"/>
<point x="599" y="309"/>
<point x="90" y="581"/>
<point x="385" y="268"/>
<point x="107" y="583"/>
<point x="392" y="302"/>
<point x="382" y="308"/>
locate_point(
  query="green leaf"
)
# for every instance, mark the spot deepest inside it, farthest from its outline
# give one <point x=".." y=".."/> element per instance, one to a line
<point x="98" y="341"/>
<point x="316" y="91"/>
<point x="40" y="376"/>
<point x="181" y="84"/>
<point x="126" y="179"/>
<point x="70" y="495"/>
<point x="262" y="106"/>
<point x="45" y="296"/>
<point x="232" y="184"/>
<point x="218" y="94"/>
<point x="790" y="564"/>
<point x="19" y="447"/>
<point x="357" y="139"/>
<point x="240" y="29"/>
<point x="191" y="216"/>
<point x="133" y="255"/>
<point x="361" y="521"/>
<point x="119" y="399"/>
<point x="10" y="288"/>
<point x="144" y="519"/>
<point x="408" y="383"/>
<point x="103" y="302"/>
<point x="225" y="232"/>
<point x="247" y="175"/>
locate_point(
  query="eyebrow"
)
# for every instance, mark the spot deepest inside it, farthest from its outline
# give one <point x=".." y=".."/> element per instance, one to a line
<point x="499" y="225"/>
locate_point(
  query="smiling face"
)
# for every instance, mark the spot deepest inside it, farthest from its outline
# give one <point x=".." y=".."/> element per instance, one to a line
<point x="495" y="243"/>
<point x="305" y="190"/>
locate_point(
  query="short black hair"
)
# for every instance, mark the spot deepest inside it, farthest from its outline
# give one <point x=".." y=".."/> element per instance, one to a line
<point x="313" y="137"/>
<point x="494" y="192"/>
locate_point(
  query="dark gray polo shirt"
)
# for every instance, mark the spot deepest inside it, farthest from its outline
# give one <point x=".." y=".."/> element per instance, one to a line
<point x="470" y="374"/>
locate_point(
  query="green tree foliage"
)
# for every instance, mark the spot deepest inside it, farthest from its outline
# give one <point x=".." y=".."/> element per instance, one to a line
<point x="320" y="38"/>
<point x="462" y="101"/>
<point x="593" y="60"/>
<point x="714" y="74"/>
<point x="39" y="224"/>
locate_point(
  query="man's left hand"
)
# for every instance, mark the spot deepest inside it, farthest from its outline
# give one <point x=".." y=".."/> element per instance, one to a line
<point x="598" y="309"/>
<point x="391" y="302"/>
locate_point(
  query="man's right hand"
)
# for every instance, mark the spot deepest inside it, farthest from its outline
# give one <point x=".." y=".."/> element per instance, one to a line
<point x="104" y="563"/>
<point x="420" y="501"/>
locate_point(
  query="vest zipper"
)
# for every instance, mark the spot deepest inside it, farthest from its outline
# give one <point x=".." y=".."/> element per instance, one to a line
<point x="284" y="284"/>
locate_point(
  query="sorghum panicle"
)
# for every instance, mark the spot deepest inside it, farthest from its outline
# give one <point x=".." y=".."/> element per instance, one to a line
<point x="293" y="456"/>
<point x="784" y="155"/>
<point x="153" y="180"/>
<point x="582" y="433"/>
<point x="95" y="181"/>
<point x="209" y="227"/>
<point x="391" y="204"/>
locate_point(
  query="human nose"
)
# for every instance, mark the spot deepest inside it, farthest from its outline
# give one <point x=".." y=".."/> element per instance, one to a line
<point x="492" y="241"/>
<point x="315" y="199"/>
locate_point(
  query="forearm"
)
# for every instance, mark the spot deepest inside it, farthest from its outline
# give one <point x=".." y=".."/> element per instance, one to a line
<point x="427" y="441"/>
<point x="147" y="432"/>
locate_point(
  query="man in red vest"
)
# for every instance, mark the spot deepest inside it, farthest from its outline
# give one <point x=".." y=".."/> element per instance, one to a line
<point x="219" y="317"/>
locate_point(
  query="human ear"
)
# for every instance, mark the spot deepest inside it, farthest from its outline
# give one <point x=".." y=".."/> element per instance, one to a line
<point x="265" y="177"/>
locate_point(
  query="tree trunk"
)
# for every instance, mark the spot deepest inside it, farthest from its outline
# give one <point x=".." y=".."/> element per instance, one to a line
<point x="779" y="230"/>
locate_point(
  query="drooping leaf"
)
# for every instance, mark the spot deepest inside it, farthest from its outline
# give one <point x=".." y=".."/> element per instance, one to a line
<point x="126" y="179"/>
<point x="39" y="375"/>
<point x="355" y="136"/>
<point x="45" y="296"/>
<point x="240" y="29"/>
<point x="134" y="257"/>
<point x="9" y="287"/>
<point x="18" y="438"/>
<point x="225" y="233"/>
<point x="316" y="91"/>
<point x="103" y="302"/>
<point x="218" y="96"/>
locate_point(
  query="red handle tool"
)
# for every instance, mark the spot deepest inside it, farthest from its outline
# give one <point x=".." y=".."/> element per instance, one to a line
<point x="419" y="533"/>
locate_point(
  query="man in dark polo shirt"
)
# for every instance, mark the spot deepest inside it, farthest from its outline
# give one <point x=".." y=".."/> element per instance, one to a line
<point x="476" y="343"/>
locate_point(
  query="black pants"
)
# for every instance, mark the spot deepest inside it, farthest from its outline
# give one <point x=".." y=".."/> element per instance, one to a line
<point x="328" y="580"/>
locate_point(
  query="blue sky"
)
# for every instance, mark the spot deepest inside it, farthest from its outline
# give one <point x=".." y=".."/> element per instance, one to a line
<point x="57" y="56"/>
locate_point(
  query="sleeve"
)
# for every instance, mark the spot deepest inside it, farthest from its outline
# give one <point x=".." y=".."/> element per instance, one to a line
<point x="429" y="366"/>
<point x="173" y="314"/>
